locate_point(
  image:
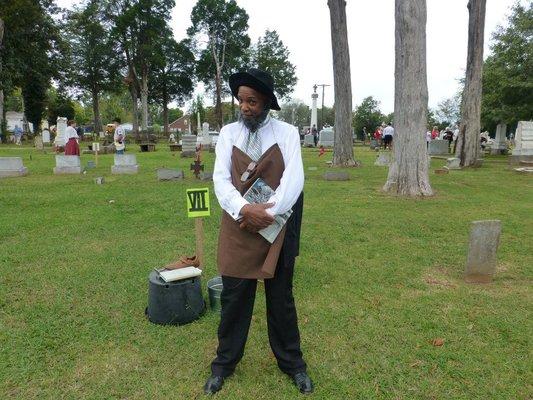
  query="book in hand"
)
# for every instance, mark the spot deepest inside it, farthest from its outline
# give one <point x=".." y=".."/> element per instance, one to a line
<point x="260" y="193"/>
<point x="171" y="275"/>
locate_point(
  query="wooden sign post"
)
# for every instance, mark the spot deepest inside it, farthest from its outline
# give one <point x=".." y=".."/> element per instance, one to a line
<point x="198" y="207"/>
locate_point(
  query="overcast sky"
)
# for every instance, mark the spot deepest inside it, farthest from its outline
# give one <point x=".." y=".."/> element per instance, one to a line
<point x="304" y="27"/>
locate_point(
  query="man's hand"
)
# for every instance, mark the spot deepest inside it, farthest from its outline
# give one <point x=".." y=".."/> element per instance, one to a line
<point x="255" y="217"/>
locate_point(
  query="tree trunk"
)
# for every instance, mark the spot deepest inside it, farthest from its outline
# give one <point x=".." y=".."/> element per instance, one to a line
<point x="467" y="148"/>
<point x="96" y="114"/>
<point x="343" y="147"/>
<point x="408" y="173"/>
<point x="144" y="100"/>
<point x="218" y="103"/>
<point x="135" y="108"/>
<point x="165" y="113"/>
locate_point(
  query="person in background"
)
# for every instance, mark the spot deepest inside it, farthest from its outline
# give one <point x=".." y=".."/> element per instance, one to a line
<point x="435" y="133"/>
<point x="17" y="132"/>
<point x="448" y="135"/>
<point x="377" y="135"/>
<point x="72" y="148"/>
<point x="314" y="131"/>
<point x="428" y="138"/>
<point x="388" y="133"/>
<point x="119" y="137"/>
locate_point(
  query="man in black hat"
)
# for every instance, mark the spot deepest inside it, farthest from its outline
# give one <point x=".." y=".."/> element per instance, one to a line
<point x="258" y="146"/>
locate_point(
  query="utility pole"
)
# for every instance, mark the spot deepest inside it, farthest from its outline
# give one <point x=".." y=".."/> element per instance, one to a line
<point x="322" y="111"/>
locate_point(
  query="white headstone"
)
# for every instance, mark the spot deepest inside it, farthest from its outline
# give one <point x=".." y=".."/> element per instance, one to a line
<point x="188" y="145"/>
<point x="314" y="97"/>
<point x="499" y="144"/>
<point x="524" y="139"/>
<point x="125" y="164"/>
<point x="453" y="163"/>
<point x="438" y="146"/>
<point x="46" y="136"/>
<point x="309" y="140"/>
<point x="384" y="159"/>
<point x="326" y="137"/>
<point x="12" y="166"/>
<point x="61" y="127"/>
<point x="67" y="165"/>
<point x="206" y="139"/>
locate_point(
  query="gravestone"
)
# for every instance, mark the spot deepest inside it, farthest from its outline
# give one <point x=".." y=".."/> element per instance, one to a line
<point x="438" y="147"/>
<point x="442" y="171"/>
<point x="524" y="170"/>
<point x="373" y="144"/>
<point x="309" y="140"/>
<point x="453" y="163"/>
<point x="167" y="174"/>
<point x="499" y="145"/>
<point x="125" y="164"/>
<point x="326" y="137"/>
<point x="38" y="141"/>
<point x="174" y="147"/>
<point x="12" y="166"/>
<point x="483" y="245"/>
<point x="61" y="127"/>
<point x="206" y="176"/>
<point x="336" y="176"/>
<point x="384" y="159"/>
<point x="188" y="146"/>
<point x="46" y="136"/>
<point x="67" y="165"/>
<point x="205" y="138"/>
<point x="99" y="180"/>
<point x="523" y="150"/>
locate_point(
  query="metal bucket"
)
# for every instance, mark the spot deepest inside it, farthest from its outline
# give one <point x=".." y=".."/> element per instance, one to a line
<point x="214" y="288"/>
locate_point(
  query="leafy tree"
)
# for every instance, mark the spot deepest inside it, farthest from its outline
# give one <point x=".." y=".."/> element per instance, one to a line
<point x="224" y="25"/>
<point x="508" y="72"/>
<point x="139" y="26"/>
<point x="174" y="114"/>
<point x="31" y="52"/>
<point x="448" y="111"/>
<point x="171" y="76"/>
<point x="295" y="112"/>
<point x="94" y="64"/>
<point x="368" y="115"/>
<point x="271" y="55"/>
<point x="59" y="105"/>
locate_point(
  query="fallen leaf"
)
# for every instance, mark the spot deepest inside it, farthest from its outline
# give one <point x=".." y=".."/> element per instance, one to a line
<point x="417" y="363"/>
<point x="437" y="342"/>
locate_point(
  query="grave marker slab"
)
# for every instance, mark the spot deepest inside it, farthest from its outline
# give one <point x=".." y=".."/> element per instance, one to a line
<point x="483" y="245"/>
<point x="309" y="141"/>
<point x="453" y="163"/>
<point x="125" y="164"/>
<point x="326" y="137"/>
<point x="67" y="165"/>
<point x="384" y="159"/>
<point x="188" y="146"/>
<point x="438" y="147"/>
<point x="336" y="176"/>
<point x="12" y="166"/>
<point x="499" y="145"/>
<point x="167" y="174"/>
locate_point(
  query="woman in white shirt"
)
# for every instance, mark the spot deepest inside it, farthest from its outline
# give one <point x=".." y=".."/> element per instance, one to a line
<point x="72" y="148"/>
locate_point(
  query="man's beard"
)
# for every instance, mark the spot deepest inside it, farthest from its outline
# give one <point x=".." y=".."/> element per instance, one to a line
<point x="254" y="122"/>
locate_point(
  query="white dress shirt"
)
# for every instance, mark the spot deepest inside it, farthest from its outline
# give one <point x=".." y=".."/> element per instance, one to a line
<point x="292" y="180"/>
<point x="389" y="130"/>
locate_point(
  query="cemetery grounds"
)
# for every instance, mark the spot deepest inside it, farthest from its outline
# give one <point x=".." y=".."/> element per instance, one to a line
<point x="382" y="307"/>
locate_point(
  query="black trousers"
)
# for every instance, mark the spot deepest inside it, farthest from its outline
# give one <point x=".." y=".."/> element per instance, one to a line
<point x="237" y="299"/>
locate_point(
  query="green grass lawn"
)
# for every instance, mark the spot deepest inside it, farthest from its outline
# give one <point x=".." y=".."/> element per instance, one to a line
<point x="378" y="279"/>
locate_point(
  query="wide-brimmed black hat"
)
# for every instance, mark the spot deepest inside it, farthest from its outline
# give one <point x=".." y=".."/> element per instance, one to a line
<point x="256" y="79"/>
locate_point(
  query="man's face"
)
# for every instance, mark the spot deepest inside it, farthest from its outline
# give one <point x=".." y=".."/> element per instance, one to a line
<point x="251" y="102"/>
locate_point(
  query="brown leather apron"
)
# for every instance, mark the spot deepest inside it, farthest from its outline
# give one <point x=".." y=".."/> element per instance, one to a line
<point x="242" y="254"/>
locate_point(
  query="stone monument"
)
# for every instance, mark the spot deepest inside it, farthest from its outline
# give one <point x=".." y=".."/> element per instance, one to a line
<point x="46" y="136"/>
<point x="523" y="150"/>
<point x="188" y="145"/>
<point x="384" y="159"/>
<point x="125" y="164"/>
<point x="326" y="137"/>
<point x="67" y="165"/>
<point x="499" y="145"/>
<point x="12" y="166"/>
<point x="167" y="174"/>
<point x="438" y="147"/>
<point x="453" y="163"/>
<point x="309" y="140"/>
<point x="206" y="139"/>
<point x="314" y="98"/>
<point x="481" y="260"/>
<point x="61" y="127"/>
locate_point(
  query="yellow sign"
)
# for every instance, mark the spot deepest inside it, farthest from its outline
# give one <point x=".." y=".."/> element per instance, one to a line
<point x="198" y="203"/>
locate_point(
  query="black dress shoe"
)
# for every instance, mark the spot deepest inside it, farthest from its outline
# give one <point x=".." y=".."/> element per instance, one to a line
<point x="303" y="382"/>
<point x="213" y="384"/>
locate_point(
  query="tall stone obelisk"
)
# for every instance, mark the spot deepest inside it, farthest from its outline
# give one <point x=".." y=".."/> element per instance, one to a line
<point x="314" y="96"/>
